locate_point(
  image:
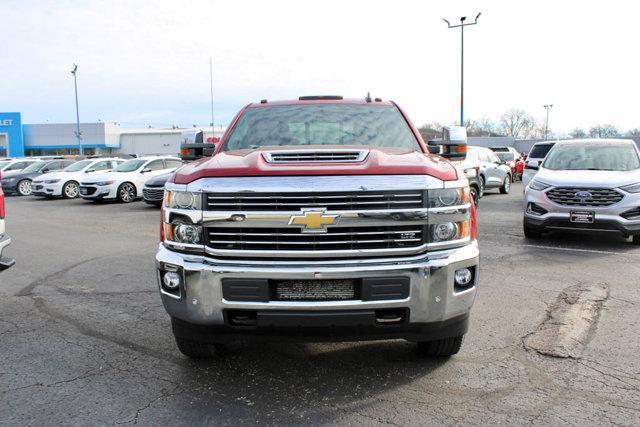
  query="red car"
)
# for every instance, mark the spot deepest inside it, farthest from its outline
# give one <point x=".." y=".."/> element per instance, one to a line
<point x="4" y="240"/>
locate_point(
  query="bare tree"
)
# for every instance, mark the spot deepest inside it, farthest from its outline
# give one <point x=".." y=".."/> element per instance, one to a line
<point x="517" y="123"/>
<point x="430" y="131"/>
<point x="578" y="133"/>
<point x="604" y="131"/>
<point x="633" y="132"/>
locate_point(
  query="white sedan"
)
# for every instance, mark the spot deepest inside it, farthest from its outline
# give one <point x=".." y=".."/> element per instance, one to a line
<point x="125" y="182"/>
<point x="66" y="182"/>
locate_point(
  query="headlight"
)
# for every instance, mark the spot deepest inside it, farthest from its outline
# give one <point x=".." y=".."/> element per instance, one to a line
<point x="445" y="197"/>
<point x="633" y="188"/>
<point x="183" y="200"/>
<point x="450" y="231"/>
<point x="51" y="181"/>
<point x="103" y="183"/>
<point x="183" y="233"/>
<point x="538" y="186"/>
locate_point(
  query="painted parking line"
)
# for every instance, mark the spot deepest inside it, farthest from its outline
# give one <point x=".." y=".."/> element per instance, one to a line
<point x="594" y="251"/>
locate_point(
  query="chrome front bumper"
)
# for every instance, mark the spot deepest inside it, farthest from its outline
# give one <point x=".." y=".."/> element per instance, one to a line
<point x="432" y="295"/>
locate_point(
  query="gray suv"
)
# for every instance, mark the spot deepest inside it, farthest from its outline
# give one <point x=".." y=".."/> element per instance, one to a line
<point x="494" y="173"/>
<point x="586" y="185"/>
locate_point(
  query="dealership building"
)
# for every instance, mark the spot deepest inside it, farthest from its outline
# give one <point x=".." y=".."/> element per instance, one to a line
<point x="18" y="140"/>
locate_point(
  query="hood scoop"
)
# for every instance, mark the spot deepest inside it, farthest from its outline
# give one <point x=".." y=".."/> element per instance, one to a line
<point x="315" y="156"/>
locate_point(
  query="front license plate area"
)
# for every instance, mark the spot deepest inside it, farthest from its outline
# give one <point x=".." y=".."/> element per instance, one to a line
<point x="84" y="191"/>
<point x="582" y="217"/>
<point x="315" y="290"/>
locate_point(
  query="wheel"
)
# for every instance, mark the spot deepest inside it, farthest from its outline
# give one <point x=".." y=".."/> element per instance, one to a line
<point x="513" y="178"/>
<point x="24" y="187"/>
<point x="70" y="190"/>
<point x="444" y="347"/>
<point x="474" y="193"/>
<point x="506" y="185"/>
<point x="635" y="239"/>
<point x="126" y="192"/>
<point x="482" y="186"/>
<point x="531" y="234"/>
<point x="197" y="349"/>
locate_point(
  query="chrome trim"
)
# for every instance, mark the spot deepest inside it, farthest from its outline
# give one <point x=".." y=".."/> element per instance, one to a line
<point x="310" y="184"/>
<point x="316" y="254"/>
<point x="321" y="155"/>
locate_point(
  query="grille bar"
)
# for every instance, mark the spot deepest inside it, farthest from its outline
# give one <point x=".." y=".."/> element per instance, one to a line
<point x="331" y="200"/>
<point x="597" y="196"/>
<point x="315" y="156"/>
<point x="336" y="238"/>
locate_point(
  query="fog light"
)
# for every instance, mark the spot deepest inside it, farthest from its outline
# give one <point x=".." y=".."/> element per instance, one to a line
<point x="445" y="231"/>
<point x="171" y="280"/>
<point x="463" y="277"/>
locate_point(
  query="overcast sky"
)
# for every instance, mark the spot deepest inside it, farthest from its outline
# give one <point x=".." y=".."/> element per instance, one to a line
<point x="147" y="62"/>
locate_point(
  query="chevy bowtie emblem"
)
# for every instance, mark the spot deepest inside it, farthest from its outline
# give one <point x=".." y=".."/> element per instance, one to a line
<point x="313" y="220"/>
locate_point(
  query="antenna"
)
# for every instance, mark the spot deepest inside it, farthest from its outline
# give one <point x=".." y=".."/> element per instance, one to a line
<point x="368" y="98"/>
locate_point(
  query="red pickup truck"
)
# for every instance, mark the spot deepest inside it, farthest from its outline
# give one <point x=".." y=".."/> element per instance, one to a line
<point x="320" y="219"/>
<point x="5" y="262"/>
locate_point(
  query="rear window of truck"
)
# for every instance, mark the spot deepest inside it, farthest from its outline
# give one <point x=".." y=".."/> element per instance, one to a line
<point x="540" y="151"/>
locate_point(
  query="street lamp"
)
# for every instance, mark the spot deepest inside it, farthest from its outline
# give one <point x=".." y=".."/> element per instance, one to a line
<point x="546" y="123"/>
<point x="462" y="25"/>
<point x="75" y="85"/>
<point x="213" y="129"/>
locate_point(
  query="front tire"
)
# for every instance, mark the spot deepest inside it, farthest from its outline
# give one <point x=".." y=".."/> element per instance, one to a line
<point x="475" y="194"/>
<point x="530" y="233"/>
<point x="24" y="187"/>
<point x="506" y="185"/>
<point x="445" y="347"/>
<point x="126" y="192"/>
<point x="196" y="349"/>
<point x="70" y="190"/>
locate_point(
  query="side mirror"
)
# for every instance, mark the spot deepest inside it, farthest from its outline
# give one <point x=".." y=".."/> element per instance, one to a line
<point x="533" y="164"/>
<point x="433" y="149"/>
<point x="145" y="170"/>
<point x="89" y="170"/>
<point x="453" y="143"/>
<point x="45" y="170"/>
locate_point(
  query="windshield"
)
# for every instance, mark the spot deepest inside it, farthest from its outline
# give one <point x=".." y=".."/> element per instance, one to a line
<point x="130" y="165"/>
<point x="540" y="151"/>
<point x="610" y="157"/>
<point x="5" y="163"/>
<point x="35" y="167"/>
<point x="77" y="166"/>
<point x="300" y="125"/>
<point x="505" y="156"/>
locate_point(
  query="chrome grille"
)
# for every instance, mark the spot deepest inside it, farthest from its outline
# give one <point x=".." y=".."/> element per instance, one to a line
<point x="315" y="156"/>
<point x="336" y="238"/>
<point x="153" y="193"/>
<point x="571" y="196"/>
<point x="332" y="201"/>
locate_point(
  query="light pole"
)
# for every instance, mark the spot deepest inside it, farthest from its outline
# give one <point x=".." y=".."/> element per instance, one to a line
<point x="213" y="130"/>
<point x="462" y="25"/>
<point x="546" y="122"/>
<point x="75" y="85"/>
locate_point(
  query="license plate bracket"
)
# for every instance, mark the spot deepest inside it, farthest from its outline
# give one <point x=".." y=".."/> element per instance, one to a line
<point x="582" y="217"/>
<point x="315" y="290"/>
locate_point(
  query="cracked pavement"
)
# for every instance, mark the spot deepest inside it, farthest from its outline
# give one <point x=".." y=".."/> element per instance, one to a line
<point x="85" y="340"/>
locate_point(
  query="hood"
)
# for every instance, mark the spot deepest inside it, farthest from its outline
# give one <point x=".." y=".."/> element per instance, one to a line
<point x="97" y="178"/>
<point x="379" y="161"/>
<point x="9" y="174"/>
<point x="48" y="176"/>
<point x="158" y="181"/>
<point x="587" y="178"/>
<point x="20" y="175"/>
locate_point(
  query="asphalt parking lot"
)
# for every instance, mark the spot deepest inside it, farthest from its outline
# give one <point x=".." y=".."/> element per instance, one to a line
<point x="85" y="340"/>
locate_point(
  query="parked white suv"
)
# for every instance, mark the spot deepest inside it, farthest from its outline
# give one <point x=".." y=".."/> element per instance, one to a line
<point x="536" y="155"/>
<point x="586" y="185"/>
<point x="125" y="182"/>
<point x="66" y="182"/>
